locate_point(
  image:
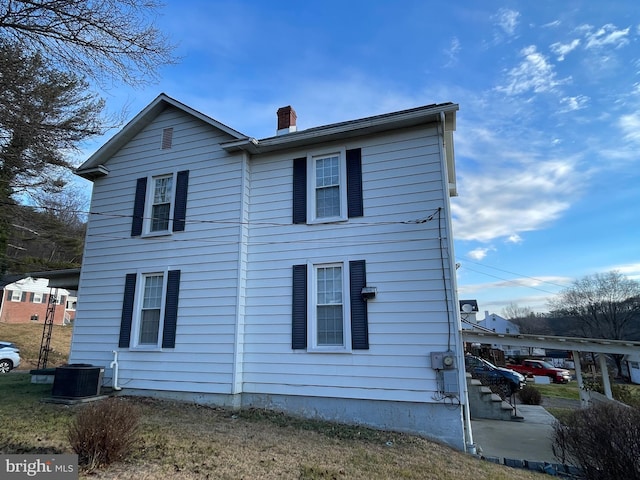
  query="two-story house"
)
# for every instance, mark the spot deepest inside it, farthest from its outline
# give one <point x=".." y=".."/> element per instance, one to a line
<point x="26" y="301"/>
<point x="310" y="272"/>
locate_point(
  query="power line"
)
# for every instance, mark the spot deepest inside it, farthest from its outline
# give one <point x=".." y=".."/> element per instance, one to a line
<point x="511" y="281"/>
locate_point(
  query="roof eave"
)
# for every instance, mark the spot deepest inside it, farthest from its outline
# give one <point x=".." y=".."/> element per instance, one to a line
<point x="338" y="131"/>
<point x="91" y="168"/>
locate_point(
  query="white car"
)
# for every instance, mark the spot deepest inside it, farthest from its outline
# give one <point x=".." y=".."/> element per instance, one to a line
<point x="9" y="357"/>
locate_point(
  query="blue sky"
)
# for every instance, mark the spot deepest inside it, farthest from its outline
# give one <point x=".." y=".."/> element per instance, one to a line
<point x="548" y="130"/>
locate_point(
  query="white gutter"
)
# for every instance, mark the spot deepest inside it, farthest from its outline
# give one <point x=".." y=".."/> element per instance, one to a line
<point x="456" y="326"/>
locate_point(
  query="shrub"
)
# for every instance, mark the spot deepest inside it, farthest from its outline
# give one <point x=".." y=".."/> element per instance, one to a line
<point x="104" y="432"/>
<point x="530" y="395"/>
<point x="603" y="440"/>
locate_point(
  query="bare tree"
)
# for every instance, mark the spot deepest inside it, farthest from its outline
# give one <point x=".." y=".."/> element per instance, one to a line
<point x="604" y="305"/>
<point x="107" y="40"/>
<point x="513" y="311"/>
<point x="527" y="321"/>
<point x="44" y="114"/>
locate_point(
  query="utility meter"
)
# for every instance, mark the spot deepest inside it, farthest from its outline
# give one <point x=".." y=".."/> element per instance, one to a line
<point x="442" y="360"/>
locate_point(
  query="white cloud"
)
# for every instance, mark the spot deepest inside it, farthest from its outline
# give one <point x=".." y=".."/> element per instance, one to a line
<point x="534" y="73"/>
<point x="507" y="20"/>
<point x="452" y="52"/>
<point x="555" y="23"/>
<point x="515" y="238"/>
<point x="479" y="253"/>
<point x="562" y="49"/>
<point x="630" y="126"/>
<point x="570" y="104"/>
<point x="630" y="270"/>
<point x="607" y="35"/>
<point x="506" y="201"/>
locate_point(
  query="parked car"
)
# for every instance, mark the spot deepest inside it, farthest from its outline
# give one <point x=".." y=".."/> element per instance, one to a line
<point x="507" y="381"/>
<point x="9" y="357"/>
<point x="542" y="369"/>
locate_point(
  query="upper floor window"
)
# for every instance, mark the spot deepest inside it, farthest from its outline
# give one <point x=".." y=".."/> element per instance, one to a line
<point x="327" y="187"/>
<point x="330" y="192"/>
<point x="161" y="204"/>
<point x="16" y="296"/>
<point x="162" y="207"/>
<point x="37" y="297"/>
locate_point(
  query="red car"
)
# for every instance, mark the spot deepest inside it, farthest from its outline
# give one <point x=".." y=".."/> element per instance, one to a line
<point x="541" y="368"/>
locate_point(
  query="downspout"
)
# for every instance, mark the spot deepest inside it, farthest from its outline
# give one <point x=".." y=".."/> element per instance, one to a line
<point x="114" y="366"/>
<point x="470" y="447"/>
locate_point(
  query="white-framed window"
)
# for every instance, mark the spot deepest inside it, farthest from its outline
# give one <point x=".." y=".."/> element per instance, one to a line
<point x="329" y="319"/>
<point x="37" y="297"/>
<point x="16" y="296"/>
<point x="150" y="310"/>
<point x="161" y="203"/>
<point x="327" y="188"/>
<point x="151" y="296"/>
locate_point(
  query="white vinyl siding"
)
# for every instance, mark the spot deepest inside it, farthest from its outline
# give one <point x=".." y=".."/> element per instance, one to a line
<point x="206" y="254"/>
<point x="234" y="326"/>
<point x="402" y="182"/>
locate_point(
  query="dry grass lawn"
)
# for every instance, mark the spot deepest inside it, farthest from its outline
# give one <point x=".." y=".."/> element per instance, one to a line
<point x="28" y="336"/>
<point x="188" y="441"/>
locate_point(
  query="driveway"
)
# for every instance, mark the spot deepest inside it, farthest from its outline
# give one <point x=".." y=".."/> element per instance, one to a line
<point x="529" y="439"/>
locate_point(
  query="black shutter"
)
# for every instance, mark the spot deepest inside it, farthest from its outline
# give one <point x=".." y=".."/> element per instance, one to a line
<point x="9" y="293"/>
<point x="300" y="190"/>
<point x="31" y="296"/>
<point x="299" y="313"/>
<point x="138" y="207"/>
<point x="359" y="318"/>
<point x="171" y="310"/>
<point x="127" y="310"/>
<point x="354" y="183"/>
<point x="44" y="298"/>
<point x="23" y="298"/>
<point x="180" y="207"/>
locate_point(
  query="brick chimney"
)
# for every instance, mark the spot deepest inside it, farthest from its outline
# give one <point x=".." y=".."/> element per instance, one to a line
<point x="286" y="120"/>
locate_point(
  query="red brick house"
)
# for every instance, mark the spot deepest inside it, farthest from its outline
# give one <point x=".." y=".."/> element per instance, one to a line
<point x="26" y="300"/>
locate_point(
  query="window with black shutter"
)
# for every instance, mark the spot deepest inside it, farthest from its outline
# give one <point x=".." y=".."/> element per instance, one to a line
<point x="327" y="186"/>
<point x="320" y="319"/>
<point x="150" y="310"/>
<point x="160" y="204"/>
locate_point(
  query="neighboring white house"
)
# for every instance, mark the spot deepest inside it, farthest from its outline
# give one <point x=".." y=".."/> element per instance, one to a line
<point x="26" y="301"/>
<point x="311" y="272"/>
<point x="498" y="324"/>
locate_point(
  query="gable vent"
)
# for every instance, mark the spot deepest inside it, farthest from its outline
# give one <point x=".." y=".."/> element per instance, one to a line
<point x="167" y="138"/>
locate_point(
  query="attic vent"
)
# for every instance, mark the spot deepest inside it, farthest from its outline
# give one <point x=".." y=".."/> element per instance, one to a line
<point x="167" y="138"/>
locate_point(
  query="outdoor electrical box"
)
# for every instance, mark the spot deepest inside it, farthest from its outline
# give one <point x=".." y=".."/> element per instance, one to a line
<point x="443" y="360"/>
<point x="450" y="382"/>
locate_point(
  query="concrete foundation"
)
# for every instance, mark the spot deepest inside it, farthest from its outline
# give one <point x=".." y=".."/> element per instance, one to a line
<point x="439" y="422"/>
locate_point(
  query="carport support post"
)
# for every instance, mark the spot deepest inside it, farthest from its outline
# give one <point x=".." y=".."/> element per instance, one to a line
<point x="605" y="376"/>
<point x="584" y="398"/>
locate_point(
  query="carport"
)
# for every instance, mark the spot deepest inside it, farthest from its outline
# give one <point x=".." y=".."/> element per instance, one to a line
<point x="576" y="345"/>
